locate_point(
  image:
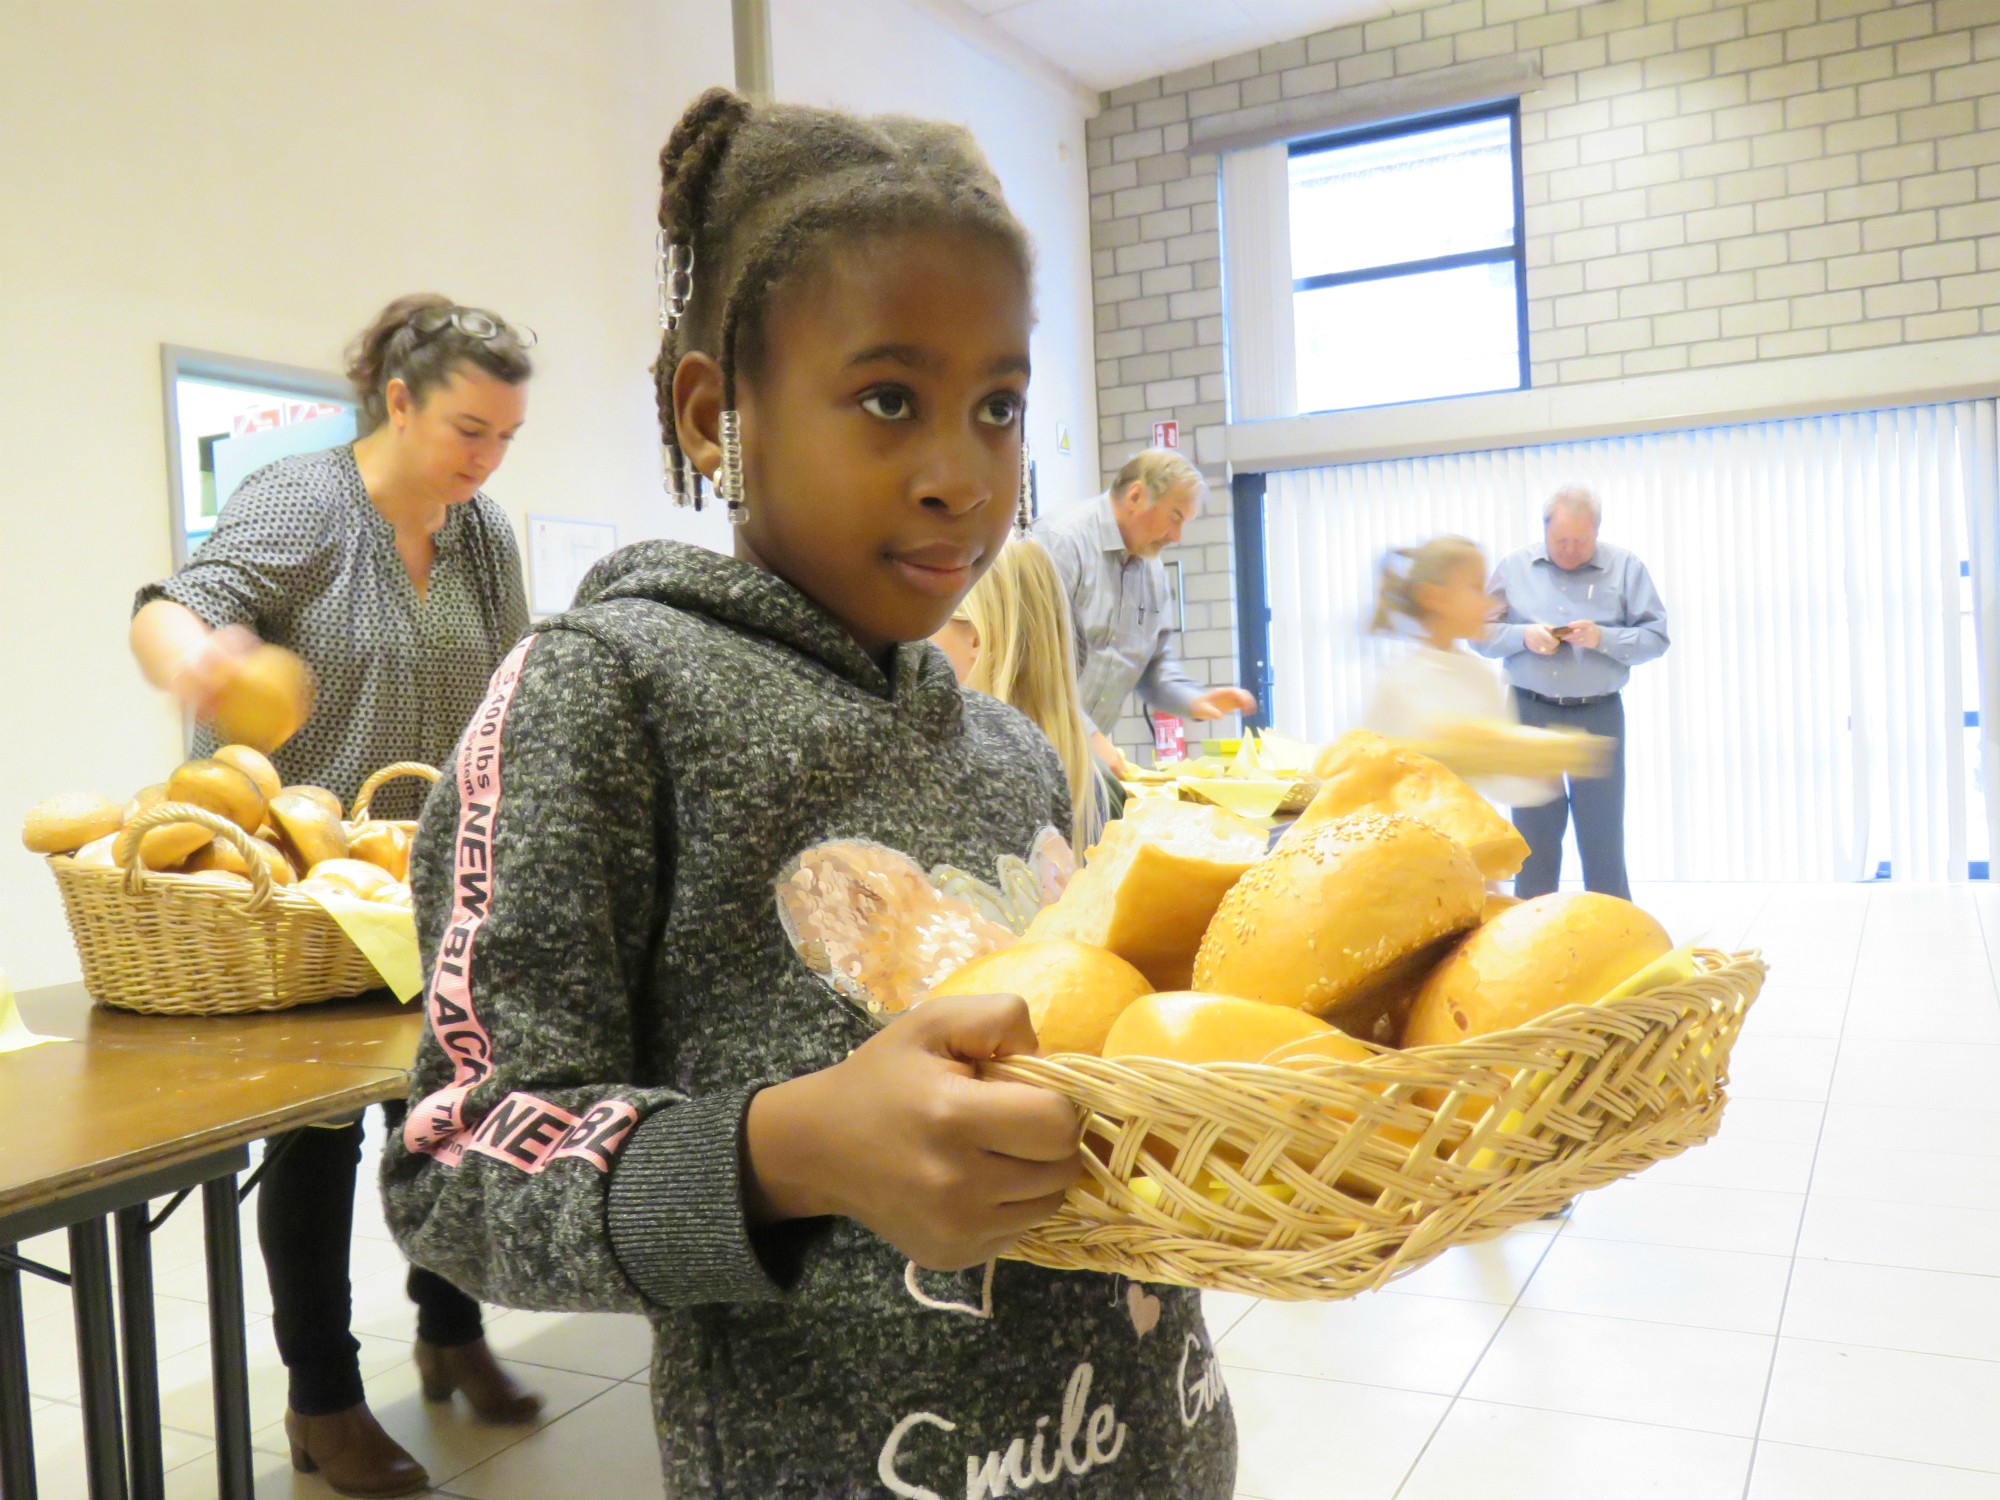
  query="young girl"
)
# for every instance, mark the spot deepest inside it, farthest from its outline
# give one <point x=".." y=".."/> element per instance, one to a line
<point x="634" y="1095"/>
<point x="1439" y="590"/>
<point x="1011" y="638"/>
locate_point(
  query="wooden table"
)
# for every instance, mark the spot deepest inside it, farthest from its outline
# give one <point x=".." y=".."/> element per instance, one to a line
<point x="130" y="1109"/>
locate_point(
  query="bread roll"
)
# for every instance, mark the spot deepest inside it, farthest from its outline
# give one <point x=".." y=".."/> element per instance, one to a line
<point x="270" y="696"/>
<point x="63" y="824"/>
<point x="1566" y="949"/>
<point x="322" y="796"/>
<point x="253" y="765"/>
<point x="1191" y="1027"/>
<point x="354" y="877"/>
<point x="384" y="844"/>
<point x="221" y="856"/>
<point x="168" y="847"/>
<point x="307" y="832"/>
<point x="1074" y="991"/>
<point x="144" y="800"/>
<point x="1363" y="773"/>
<point x="1341" y="914"/>
<point x="97" y="851"/>
<point x="1148" y="888"/>
<point x="222" y="789"/>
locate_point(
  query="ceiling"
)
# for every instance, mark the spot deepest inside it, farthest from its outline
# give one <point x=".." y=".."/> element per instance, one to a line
<point x="1106" y="43"/>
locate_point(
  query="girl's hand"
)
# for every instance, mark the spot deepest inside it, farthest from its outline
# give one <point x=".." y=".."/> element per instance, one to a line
<point x="905" y="1138"/>
<point x="203" y="673"/>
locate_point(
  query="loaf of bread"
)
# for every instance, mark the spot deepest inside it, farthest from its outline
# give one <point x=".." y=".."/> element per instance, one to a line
<point x="1193" y="1027"/>
<point x="63" y="824"/>
<point x="1363" y="773"/>
<point x="307" y="832"/>
<point x="1148" y="888"/>
<point x="1571" y="948"/>
<point x="1340" y="914"/>
<point x="1074" y="991"/>
<point x="220" y="788"/>
<point x="266" y="701"/>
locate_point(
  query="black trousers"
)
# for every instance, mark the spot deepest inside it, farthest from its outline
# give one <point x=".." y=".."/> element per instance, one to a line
<point x="1598" y="805"/>
<point x="305" y="1223"/>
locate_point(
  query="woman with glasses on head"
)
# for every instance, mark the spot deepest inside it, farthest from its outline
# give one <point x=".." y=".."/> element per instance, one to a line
<point x="383" y="566"/>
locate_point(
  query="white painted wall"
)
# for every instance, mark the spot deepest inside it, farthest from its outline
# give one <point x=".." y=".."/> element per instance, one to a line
<point x="257" y="179"/>
<point x="908" y="57"/>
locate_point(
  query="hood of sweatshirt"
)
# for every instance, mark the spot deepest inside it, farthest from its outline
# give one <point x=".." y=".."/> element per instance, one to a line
<point x="744" y="597"/>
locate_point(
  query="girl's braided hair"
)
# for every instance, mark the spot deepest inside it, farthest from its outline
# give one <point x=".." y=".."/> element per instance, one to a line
<point x="754" y="191"/>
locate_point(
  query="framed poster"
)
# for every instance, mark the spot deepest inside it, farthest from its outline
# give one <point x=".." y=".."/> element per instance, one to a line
<point x="1176" y="601"/>
<point x="560" y="551"/>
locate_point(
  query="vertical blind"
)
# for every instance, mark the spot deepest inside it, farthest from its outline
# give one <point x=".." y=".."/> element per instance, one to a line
<point x="1810" y="720"/>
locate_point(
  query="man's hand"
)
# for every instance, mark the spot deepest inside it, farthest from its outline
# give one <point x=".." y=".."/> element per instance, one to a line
<point x="1110" y="754"/>
<point x="1584" y="633"/>
<point x="1540" y="639"/>
<point x="906" y="1138"/>
<point x="1216" y="702"/>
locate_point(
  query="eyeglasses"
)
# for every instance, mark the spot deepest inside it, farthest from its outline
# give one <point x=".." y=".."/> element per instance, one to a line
<point x="473" y="324"/>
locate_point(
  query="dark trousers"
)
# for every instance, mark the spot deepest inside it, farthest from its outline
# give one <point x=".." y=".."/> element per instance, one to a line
<point x="305" y="1221"/>
<point x="1598" y="805"/>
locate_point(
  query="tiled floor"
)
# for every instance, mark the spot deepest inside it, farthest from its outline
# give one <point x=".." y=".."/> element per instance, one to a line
<point x="1808" y="1308"/>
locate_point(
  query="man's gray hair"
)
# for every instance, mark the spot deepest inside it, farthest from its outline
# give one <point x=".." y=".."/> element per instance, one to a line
<point x="1161" y="470"/>
<point x="1576" y="499"/>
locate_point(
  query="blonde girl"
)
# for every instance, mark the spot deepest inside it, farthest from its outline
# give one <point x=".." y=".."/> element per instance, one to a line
<point x="1012" y="639"/>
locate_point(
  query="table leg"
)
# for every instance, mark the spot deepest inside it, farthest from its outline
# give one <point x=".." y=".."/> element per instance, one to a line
<point x="228" y="1348"/>
<point x="97" y="1358"/>
<point x="17" y="1437"/>
<point x="142" y="1356"/>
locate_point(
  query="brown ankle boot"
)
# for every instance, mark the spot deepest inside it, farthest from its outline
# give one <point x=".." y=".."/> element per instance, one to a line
<point x="495" y="1396"/>
<point x="352" y="1453"/>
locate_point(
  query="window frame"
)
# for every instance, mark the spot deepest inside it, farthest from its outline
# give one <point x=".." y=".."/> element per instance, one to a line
<point x="1508" y="109"/>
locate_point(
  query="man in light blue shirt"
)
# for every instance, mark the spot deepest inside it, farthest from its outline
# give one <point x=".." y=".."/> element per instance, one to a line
<point x="1578" y="615"/>
<point x="1107" y="551"/>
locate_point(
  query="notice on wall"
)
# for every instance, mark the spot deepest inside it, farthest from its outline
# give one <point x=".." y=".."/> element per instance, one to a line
<point x="1166" y="434"/>
<point x="560" y="551"/>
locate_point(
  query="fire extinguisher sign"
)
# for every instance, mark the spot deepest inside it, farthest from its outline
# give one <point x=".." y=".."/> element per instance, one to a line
<point x="1166" y="434"/>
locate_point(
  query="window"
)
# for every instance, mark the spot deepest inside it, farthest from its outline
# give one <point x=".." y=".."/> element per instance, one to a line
<point x="1408" y="261"/>
<point x="227" y="416"/>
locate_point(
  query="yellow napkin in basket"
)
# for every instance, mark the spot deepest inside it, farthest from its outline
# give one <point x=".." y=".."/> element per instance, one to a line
<point x="1247" y="798"/>
<point x="386" y="936"/>
<point x="14" y="1036"/>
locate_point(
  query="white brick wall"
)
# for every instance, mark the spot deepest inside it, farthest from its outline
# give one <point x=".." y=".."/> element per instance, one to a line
<point x="1705" y="184"/>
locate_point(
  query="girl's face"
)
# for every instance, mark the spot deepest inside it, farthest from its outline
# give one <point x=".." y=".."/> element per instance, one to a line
<point x="1458" y="608"/>
<point x="882" y="434"/>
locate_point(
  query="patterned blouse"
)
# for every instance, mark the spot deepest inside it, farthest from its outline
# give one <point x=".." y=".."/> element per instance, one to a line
<point x="301" y="556"/>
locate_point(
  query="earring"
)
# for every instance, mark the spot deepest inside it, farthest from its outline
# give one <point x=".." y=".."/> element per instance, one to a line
<point x="729" y="478"/>
<point x="1024" y="506"/>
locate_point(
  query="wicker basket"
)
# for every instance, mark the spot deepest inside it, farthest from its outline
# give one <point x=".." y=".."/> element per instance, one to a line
<point x="1319" y="1179"/>
<point x="186" y="945"/>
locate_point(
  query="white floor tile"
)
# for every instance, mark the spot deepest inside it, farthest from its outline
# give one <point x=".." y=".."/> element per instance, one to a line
<point x="610" y="1439"/>
<point x="1661" y="1284"/>
<point x="1780" y="1067"/>
<point x="1931" y="1179"/>
<point x="1912" y="1126"/>
<point x="1926" y="1408"/>
<point x="1889" y="1307"/>
<point x="1701" y="1218"/>
<point x="1299" y="1438"/>
<point x="1515" y="1453"/>
<point x="1789" y="1122"/>
<point x="1798" y="1010"/>
<point x="1730" y="1160"/>
<point x="617" y="1346"/>
<point x="187" y="1400"/>
<point x="1785" y="1472"/>
<point x="60" y="1469"/>
<point x="1959" y="1074"/>
<point x="1409" y="1343"/>
<point x="1222" y="1311"/>
<point x="1493" y="1270"/>
<point x="1637" y="1372"/>
<point x="1927" y="1016"/>
<point x="1924" y="1238"/>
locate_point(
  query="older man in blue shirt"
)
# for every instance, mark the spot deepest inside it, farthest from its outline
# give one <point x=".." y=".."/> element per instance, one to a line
<point x="1578" y="615"/>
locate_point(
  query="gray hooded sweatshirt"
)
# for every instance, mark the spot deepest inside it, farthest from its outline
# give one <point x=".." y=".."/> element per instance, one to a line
<point x="609" y="984"/>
